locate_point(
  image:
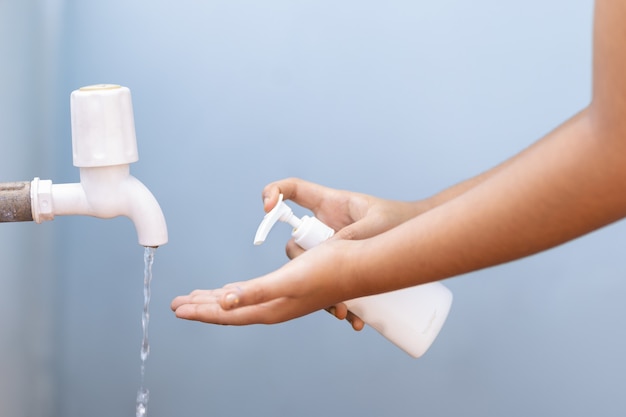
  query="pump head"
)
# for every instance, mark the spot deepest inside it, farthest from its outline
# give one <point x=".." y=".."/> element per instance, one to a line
<point x="307" y="231"/>
<point x="280" y="212"/>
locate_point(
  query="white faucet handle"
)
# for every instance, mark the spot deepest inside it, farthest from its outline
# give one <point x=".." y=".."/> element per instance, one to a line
<point x="103" y="126"/>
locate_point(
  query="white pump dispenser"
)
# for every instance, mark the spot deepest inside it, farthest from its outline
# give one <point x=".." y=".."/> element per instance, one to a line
<point x="411" y="318"/>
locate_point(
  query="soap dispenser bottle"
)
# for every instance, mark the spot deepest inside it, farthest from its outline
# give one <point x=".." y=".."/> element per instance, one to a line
<point x="411" y="318"/>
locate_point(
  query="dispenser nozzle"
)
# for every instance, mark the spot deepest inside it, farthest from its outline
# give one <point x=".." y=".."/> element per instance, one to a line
<point x="280" y="212"/>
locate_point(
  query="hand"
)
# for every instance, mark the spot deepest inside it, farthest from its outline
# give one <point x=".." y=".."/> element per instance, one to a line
<point x="269" y="299"/>
<point x="302" y="286"/>
<point x="353" y="215"/>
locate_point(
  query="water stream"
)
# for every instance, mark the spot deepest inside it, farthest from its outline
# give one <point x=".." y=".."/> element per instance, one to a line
<point x="144" y="394"/>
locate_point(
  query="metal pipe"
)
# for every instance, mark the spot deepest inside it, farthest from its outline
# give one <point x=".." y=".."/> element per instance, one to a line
<point x="15" y="202"/>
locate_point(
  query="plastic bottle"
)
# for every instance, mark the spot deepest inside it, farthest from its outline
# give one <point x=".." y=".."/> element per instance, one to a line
<point x="411" y="318"/>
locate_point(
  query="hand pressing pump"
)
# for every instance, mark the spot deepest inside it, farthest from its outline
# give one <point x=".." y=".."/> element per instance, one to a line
<point x="411" y="318"/>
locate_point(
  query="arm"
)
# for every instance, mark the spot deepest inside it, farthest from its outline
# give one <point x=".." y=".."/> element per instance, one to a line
<point x="567" y="184"/>
<point x="570" y="183"/>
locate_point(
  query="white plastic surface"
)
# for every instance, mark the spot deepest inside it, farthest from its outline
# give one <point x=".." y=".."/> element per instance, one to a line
<point x="103" y="192"/>
<point x="103" y="126"/>
<point x="104" y="144"/>
<point x="311" y="232"/>
<point x="411" y="318"/>
<point x="281" y="212"/>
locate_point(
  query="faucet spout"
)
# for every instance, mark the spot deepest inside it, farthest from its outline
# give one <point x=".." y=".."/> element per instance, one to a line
<point x="103" y="192"/>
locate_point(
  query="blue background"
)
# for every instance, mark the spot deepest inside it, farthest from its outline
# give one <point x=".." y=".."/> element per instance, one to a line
<point x="399" y="99"/>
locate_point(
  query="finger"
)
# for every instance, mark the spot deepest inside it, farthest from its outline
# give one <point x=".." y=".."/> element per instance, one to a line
<point x="208" y="306"/>
<point x="253" y="292"/>
<point x="304" y="193"/>
<point x="213" y="313"/>
<point x="227" y="297"/>
<point x="293" y="249"/>
<point x="276" y="311"/>
<point x="195" y="297"/>
<point x="270" y="197"/>
<point x="341" y="312"/>
<point x="355" y="321"/>
<point x="207" y="313"/>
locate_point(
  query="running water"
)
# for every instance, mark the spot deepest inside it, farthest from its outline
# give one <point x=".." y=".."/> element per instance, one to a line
<point x="143" y="394"/>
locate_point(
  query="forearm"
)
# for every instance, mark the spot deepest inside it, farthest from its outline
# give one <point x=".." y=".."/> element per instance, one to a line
<point x="571" y="182"/>
<point x="462" y="187"/>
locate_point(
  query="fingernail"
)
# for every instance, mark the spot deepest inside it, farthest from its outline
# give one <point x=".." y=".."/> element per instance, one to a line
<point x="231" y="300"/>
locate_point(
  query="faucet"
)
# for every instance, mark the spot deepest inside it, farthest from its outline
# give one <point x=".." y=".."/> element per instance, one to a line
<point x="103" y="146"/>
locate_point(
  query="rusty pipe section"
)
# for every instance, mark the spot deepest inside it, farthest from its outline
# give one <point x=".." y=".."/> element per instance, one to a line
<point x="15" y="202"/>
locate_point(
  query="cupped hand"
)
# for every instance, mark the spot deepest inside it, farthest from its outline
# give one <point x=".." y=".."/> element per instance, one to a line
<point x="307" y="284"/>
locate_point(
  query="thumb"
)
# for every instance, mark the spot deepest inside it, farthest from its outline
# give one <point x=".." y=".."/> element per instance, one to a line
<point x="249" y="293"/>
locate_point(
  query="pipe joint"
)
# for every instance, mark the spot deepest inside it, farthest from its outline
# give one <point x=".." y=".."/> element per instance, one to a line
<point x="41" y="200"/>
<point x="103" y="192"/>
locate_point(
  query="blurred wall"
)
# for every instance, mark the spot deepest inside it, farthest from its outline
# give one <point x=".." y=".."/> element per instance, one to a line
<point x="28" y="278"/>
<point x="398" y="99"/>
